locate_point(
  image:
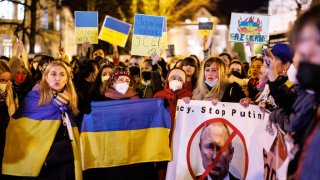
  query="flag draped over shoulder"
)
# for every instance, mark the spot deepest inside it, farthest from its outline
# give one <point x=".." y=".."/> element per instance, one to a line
<point x="125" y="132"/>
<point x="29" y="137"/>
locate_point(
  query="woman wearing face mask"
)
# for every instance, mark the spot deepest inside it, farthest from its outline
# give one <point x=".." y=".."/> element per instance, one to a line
<point x="119" y="86"/>
<point x="21" y="78"/>
<point x="150" y="81"/>
<point x="100" y="85"/>
<point x="44" y="129"/>
<point x="7" y="104"/>
<point x="173" y="91"/>
<point x="190" y="66"/>
<point x="213" y="83"/>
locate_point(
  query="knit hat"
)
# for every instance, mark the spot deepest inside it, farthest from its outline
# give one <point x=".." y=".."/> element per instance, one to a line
<point x="283" y="51"/>
<point x="177" y="72"/>
<point x="118" y="73"/>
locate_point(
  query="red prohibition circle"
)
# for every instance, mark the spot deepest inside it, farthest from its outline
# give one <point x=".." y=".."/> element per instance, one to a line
<point x="235" y="130"/>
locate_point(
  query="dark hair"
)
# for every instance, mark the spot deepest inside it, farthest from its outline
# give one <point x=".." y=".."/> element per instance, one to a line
<point x="257" y="59"/>
<point x="243" y="71"/>
<point x="44" y="59"/>
<point x="5" y="58"/>
<point x="197" y="60"/>
<point x="96" y="49"/>
<point x="192" y="62"/>
<point x="86" y="68"/>
<point x="310" y="16"/>
<point x="226" y="54"/>
<point x="136" y="57"/>
<point x="148" y="61"/>
<point x="96" y="87"/>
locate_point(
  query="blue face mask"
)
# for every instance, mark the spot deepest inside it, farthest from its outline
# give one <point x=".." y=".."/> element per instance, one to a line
<point x="211" y="84"/>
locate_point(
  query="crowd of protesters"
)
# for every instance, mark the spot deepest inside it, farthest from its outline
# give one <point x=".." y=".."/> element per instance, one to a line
<point x="282" y="81"/>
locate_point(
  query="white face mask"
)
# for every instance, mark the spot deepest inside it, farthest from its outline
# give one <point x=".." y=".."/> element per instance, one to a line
<point x="122" y="87"/>
<point x="35" y="65"/>
<point x="212" y="84"/>
<point x="3" y="87"/>
<point x="105" y="78"/>
<point x="175" y="85"/>
<point x="292" y="74"/>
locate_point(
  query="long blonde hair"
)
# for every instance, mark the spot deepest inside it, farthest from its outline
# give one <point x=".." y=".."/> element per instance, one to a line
<point x="201" y="92"/>
<point x="10" y="101"/>
<point x="46" y="93"/>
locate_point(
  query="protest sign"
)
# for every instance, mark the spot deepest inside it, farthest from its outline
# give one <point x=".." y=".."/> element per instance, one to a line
<point x="164" y="39"/>
<point x="205" y="28"/>
<point x="124" y="132"/>
<point x="114" y="31"/>
<point x="249" y="28"/>
<point x="226" y="140"/>
<point x="86" y="27"/>
<point x="147" y="33"/>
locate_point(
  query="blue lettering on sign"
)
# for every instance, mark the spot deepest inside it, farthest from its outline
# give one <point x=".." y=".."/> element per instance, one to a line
<point x="148" y="25"/>
<point x="241" y="37"/>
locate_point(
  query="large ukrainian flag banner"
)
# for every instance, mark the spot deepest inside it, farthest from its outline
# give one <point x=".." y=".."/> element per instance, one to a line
<point x="125" y="132"/>
<point x="114" y="31"/>
<point x="29" y="137"/>
<point x="86" y="27"/>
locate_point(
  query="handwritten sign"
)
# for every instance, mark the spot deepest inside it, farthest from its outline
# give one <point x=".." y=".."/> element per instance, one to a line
<point x="249" y="28"/>
<point x="86" y="27"/>
<point x="147" y="33"/>
<point x="115" y="31"/>
<point x="205" y="28"/>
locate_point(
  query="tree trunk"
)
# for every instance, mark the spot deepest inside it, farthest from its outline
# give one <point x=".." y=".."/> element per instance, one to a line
<point x="33" y="24"/>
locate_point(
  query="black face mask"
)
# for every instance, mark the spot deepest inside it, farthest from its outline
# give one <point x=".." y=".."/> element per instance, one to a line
<point x="146" y="75"/>
<point x="236" y="74"/>
<point x="134" y="70"/>
<point x="308" y="76"/>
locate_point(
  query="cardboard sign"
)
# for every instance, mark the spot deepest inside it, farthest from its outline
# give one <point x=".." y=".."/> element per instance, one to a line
<point x="205" y="28"/>
<point x="225" y="140"/>
<point x="249" y="28"/>
<point x="115" y="31"/>
<point x="86" y="27"/>
<point x="147" y="33"/>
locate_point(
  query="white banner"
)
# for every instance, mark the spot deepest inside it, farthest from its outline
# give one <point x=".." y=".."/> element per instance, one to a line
<point x="220" y="142"/>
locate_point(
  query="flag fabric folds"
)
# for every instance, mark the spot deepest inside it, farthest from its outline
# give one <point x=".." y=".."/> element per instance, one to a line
<point x="29" y="137"/>
<point x="125" y="132"/>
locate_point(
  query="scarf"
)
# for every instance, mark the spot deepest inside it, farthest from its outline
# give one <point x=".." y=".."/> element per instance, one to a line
<point x="63" y="99"/>
<point x="113" y="94"/>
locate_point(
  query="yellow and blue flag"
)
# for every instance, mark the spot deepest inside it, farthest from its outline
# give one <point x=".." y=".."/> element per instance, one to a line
<point x="114" y="31"/>
<point x="29" y="137"/>
<point x="125" y="132"/>
<point x="86" y="27"/>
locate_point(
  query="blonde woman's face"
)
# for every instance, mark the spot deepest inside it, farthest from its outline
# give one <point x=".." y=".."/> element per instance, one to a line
<point x="4" y="79"/>
<point x="211" y="73"/>
<point x="57" y="78"/>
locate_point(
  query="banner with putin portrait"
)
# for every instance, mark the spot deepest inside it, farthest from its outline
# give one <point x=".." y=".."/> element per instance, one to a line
<point x="225" y="141"/>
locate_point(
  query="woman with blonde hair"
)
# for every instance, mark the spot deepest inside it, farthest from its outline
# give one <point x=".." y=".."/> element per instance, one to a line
<point x="213" y="83"/>
<point x="42" y="140"/>
<point x="7" y="104"/>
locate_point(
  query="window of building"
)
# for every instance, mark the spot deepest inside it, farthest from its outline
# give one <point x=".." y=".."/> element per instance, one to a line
<point x="58" y="22"/>
<point x="44" y="24"/>
<point x="6" y="10"/>
<point x="6" y="47"/>
<point x="21" y="10"/>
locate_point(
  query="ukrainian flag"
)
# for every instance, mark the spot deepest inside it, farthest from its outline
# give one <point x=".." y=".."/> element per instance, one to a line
<point x="29" y="137"/>
<point x="115" y="31"/>
<point x="125" y="132"/>
<point x="86" y="27"/>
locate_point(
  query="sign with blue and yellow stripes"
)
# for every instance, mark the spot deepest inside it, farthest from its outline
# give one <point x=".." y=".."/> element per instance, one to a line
<point x="86" y="27"/>
<point x="114" y="31"/>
